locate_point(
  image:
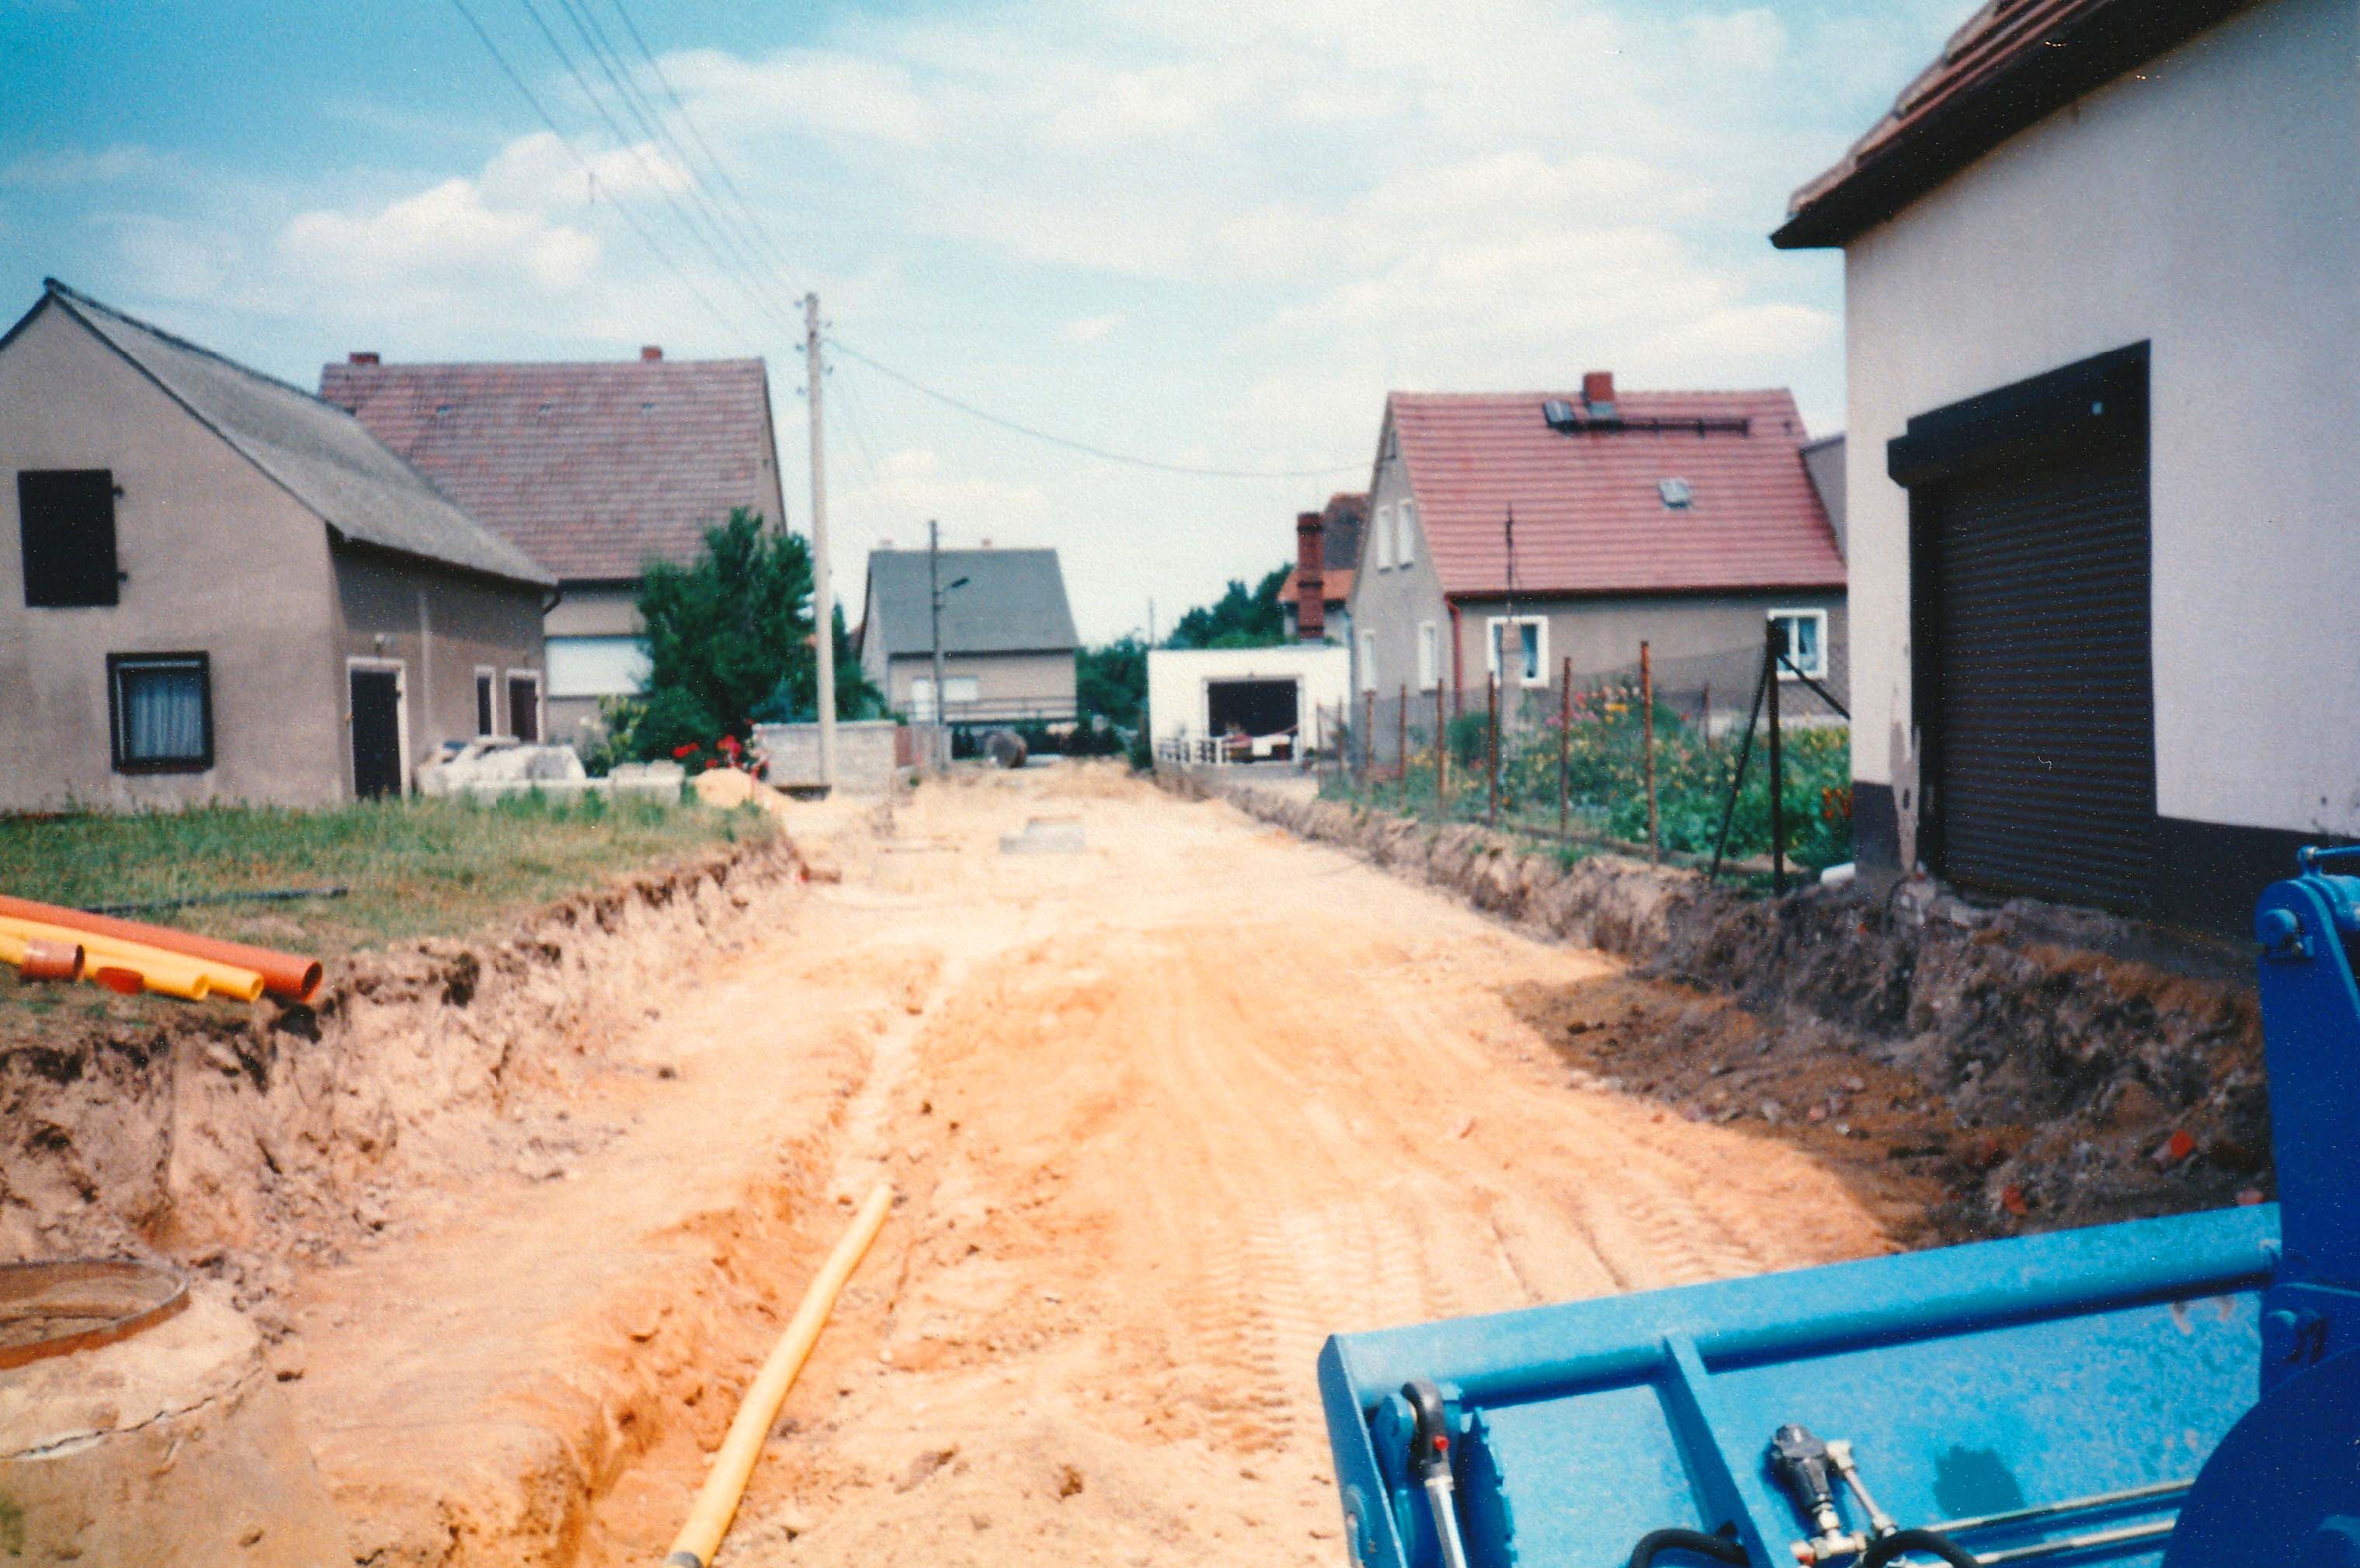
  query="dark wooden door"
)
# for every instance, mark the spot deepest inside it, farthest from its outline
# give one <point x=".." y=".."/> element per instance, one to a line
<point x="524" y="709"/>
<point x="376" y="733"/>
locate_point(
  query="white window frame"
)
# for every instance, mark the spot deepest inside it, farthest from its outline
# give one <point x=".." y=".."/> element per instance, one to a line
<point x="400" y="668"/>
<point x="1368" y="662"/>
<point x="1818" y="668"/>
<point x="487" y="672"/>
<point x="1405" y="549"/>
<point x="539" y="705"/>
<point x="1492" y="638"/>
<point x="1384" y="532"/>
<point x="1429" y="655"/>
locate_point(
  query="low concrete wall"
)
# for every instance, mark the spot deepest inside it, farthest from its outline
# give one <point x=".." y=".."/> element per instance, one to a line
<point x="865" y="758"/>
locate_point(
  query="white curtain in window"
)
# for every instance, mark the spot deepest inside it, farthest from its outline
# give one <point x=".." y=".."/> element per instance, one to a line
<point x="163" y="713"/>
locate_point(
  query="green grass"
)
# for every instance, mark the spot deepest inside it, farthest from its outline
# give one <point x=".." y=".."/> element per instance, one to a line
<point x="416" y="868"/>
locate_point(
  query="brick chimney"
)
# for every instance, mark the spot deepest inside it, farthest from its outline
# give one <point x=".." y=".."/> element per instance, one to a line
<point x="362" y="357"/>
<point x="652" y="351"/>
<point x="1310" y="577"/>
<point x="1597" y="392"/>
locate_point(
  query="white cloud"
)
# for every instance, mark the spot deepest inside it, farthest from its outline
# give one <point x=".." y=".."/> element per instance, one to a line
<point x="1091" y="329"/>
<point x="72" y="167"/>
<point x="448" y="235"/>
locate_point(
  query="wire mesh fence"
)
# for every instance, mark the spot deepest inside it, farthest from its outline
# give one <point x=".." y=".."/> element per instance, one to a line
<point x="1672" y="758"/>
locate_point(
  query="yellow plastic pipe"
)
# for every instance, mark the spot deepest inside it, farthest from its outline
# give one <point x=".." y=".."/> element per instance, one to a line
<point x="733" y="1464"/>
<point x="36" y="959"/>
<point x="173" y="974"/>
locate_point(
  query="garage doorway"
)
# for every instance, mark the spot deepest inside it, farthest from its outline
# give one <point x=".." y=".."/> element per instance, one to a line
<point x="1258" y="708"/>
<point x="2030" y="561"/>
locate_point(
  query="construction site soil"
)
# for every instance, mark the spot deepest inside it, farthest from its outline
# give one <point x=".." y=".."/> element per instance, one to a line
<point x="516" y="1220"/>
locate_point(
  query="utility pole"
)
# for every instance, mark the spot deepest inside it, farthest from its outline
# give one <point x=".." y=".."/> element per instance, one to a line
<point x="934" y="597"/>
<point x="823" y="597"/>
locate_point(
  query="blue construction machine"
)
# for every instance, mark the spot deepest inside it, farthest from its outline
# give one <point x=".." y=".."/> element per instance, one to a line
<point x="2182" y="1391"/>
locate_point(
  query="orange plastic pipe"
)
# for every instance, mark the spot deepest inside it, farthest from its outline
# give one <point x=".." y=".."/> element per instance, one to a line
<point x="41" y="960"/>
<point x="174" y="974"/>
<point x="289" y="975"/>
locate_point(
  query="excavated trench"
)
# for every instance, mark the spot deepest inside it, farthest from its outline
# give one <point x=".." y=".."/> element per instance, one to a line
<point x="2009" y="1069"/>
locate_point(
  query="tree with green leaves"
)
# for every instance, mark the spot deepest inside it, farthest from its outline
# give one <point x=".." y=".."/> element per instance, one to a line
<point x="1240" y="617"/>
<point x="1110" y="682"/>
<point x="728" y="641"/>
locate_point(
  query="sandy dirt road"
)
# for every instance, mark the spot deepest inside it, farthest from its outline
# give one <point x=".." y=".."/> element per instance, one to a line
<point x="1161" y="1114"/>
<point x="1178" y="1108"/>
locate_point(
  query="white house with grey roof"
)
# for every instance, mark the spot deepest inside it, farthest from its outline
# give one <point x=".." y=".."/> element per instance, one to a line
<point x="1007" y="635"/>
<point x="215" y="586"/>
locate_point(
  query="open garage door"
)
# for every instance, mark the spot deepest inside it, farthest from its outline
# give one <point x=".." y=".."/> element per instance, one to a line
<point x="1258" y="708"/>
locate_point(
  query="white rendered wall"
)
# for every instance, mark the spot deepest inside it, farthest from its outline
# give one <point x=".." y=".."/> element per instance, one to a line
<point x="2210" y="205"/>
<point x="1177" y="679"/>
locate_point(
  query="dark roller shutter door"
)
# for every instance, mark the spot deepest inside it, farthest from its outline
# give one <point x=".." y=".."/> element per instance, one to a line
<point x="2044" y="707"/>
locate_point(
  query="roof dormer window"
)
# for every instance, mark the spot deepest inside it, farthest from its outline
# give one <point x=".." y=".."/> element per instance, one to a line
<point x="1676" y="493"/>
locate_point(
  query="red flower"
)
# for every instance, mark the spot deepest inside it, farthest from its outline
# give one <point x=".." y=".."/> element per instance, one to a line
<point x="729" y="744"/>
<point x="680" y="754"/>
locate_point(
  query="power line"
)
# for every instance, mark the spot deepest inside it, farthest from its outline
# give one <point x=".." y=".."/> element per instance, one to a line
<point x="855" y="421"/>
<point x="1083" y="446"/>
<point x="729" y="267"/>
<point x="645" y="237"/>
<point x="603" y="54"/>
<point x="720" y="169"/>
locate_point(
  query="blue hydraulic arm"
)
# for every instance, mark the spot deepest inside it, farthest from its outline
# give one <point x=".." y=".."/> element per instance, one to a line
<point x="2179" y="1392"/>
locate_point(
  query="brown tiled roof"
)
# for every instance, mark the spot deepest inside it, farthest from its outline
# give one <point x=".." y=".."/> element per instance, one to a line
<point x="1340" y="523"/>
<point x="2014" y="62"/>
<point x="318" y="454"/>
<point x="593" y="469"/>
<point x="1590" y="515"/>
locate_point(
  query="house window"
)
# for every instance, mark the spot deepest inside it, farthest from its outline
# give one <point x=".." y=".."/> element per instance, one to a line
<point x="1807" y="641"/>
<point x="1429" y="659"/>
<point x="488" y="718"/>
<point x="596" y="667"/>
<point x="65" y="519"/>
<point x="1407" y="550"/>
<point x="524" y="704"/>
<point x="958" y="691"/>
<point x="1525" y="641"/>
<point x="161" y="708"/>
<point x="1368" y="661"/>
<point x="1384" y="538"/>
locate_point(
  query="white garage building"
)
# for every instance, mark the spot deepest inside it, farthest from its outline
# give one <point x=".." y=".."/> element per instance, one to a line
<point x="1286" y="699"/>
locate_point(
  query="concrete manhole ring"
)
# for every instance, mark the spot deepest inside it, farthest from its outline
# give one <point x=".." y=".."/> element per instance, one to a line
<point x="57" y="1308"/>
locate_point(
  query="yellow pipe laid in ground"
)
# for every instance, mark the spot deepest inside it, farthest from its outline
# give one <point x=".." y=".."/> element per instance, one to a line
<point x="174" y="974"/>
<point x="36" y="959"/>
<point x="717" y="1504"/>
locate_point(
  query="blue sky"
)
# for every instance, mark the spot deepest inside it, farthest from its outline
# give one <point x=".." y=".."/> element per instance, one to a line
<point x="1210" y="235"/>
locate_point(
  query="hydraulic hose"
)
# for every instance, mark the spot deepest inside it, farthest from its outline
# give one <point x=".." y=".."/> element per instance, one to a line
<point x="1886" y="1548"/>
<point x="1719" y="1548"/>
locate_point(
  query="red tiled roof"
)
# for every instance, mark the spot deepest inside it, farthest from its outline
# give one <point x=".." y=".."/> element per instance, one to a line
<point x="2012" y="63"/>
<point x="591" y="468"/>
<point x="1335" y="585"/>
<point x="1590" y="517"/>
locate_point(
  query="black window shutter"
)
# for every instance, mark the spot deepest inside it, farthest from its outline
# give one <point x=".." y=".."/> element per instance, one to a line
<point x="66" y="521"/>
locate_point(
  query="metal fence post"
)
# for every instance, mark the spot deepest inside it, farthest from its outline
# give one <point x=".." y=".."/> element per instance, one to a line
<point x="1773" y="647"/>
<point x="1369" y="736"/>
<point x="1647" y="745"/>
<point x="1441" y="751"/>
<point x="1491" y="726"/>
<point x="1401" y="739"/>
<point x="1565" y="750"/>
